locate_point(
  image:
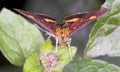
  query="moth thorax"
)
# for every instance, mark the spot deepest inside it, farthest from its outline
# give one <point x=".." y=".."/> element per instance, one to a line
<point x="62" y="34"/>
<point x="64" y="41"/>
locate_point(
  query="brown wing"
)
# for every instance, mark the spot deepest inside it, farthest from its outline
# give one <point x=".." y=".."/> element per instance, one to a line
<point x="77" y="21"/>
<point x="42" y="20"/>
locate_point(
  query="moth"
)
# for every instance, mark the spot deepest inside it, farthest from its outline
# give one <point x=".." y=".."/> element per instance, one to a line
<point x="62" y="32"/>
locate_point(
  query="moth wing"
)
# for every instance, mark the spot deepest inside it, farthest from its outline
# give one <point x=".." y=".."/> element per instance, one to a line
<point x="42" y="20"/>
<point x="77" y="21"/>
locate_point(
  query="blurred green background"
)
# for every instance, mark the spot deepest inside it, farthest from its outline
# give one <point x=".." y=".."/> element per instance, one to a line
<point x="58" y="9"/>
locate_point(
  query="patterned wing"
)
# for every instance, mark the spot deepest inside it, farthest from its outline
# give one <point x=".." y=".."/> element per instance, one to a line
<point x="44" y="21"/>
<point x="77" y="21"/>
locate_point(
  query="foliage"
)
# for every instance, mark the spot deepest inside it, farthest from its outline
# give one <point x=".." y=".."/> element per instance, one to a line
<point x="18" y="38"/>
<point x="89" y="65"/>
<point x="105" y="36"/>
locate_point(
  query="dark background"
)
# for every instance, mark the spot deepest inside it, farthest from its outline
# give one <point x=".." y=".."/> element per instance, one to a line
<point x="58" y="9"/>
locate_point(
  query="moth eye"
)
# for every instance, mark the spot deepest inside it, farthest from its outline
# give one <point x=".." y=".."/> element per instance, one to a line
<point x="72" y="20"/>
<point x="92" y="17"/>
<point x="49" y="20"/>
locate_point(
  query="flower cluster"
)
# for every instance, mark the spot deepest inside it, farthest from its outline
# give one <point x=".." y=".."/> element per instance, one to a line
<point x="49" y="61"/>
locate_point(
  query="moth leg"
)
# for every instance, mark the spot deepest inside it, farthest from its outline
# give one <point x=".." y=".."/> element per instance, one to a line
<point x="56" y="44"/>
<point x="49" y="37"/>
<point x="68" y="44"/>
<point x="47" y="33"/>
<point x="40" y="28"/>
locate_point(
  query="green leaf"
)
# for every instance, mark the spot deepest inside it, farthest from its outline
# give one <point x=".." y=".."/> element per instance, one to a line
<point x="18" y="37"/>
<point x="105" y="35"/>
<point x="64" y="57"/>
<point x="49" y="56"/>
<point x="32" y="64"/>
<point x="89" y="65"/>
<point x="47" y="47"/>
